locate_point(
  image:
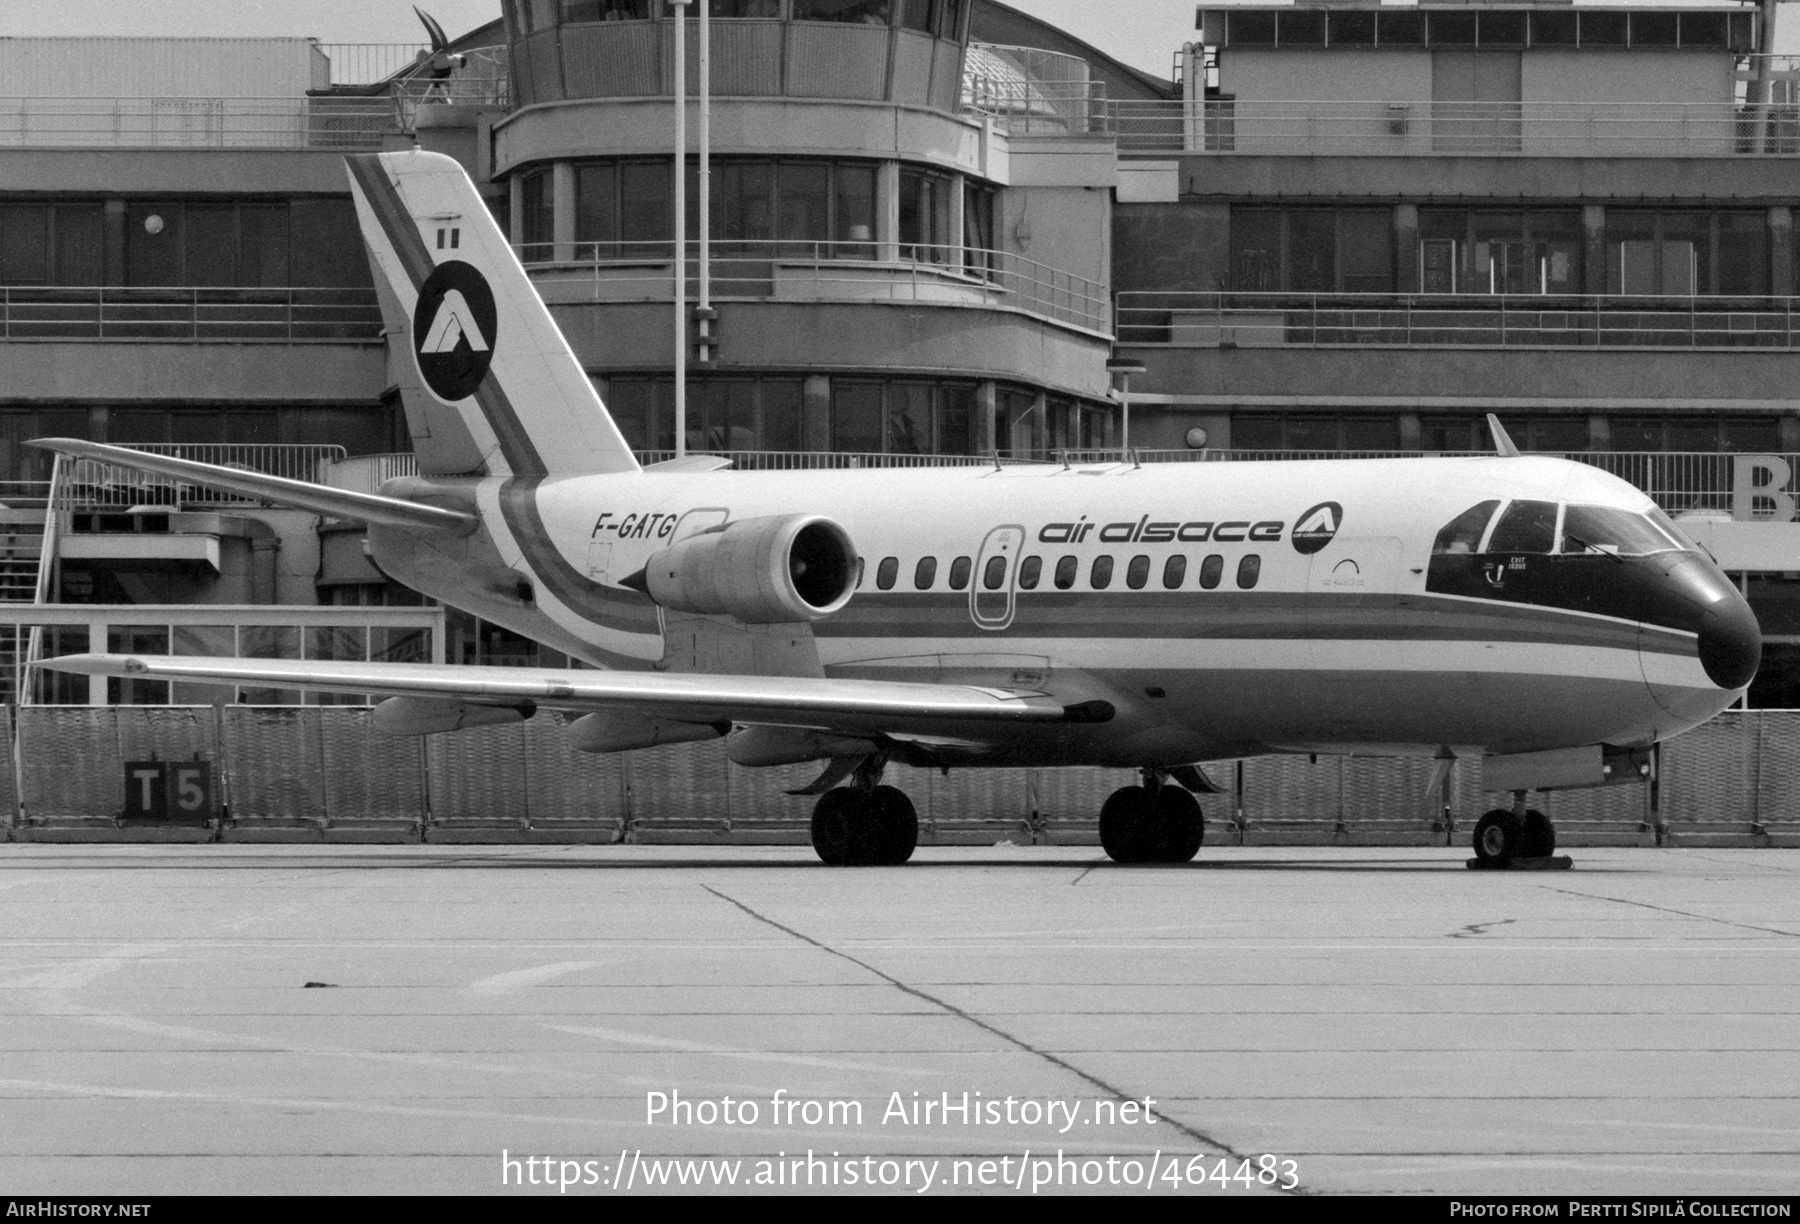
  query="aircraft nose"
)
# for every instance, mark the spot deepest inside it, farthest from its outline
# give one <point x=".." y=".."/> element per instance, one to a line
<point x="1730" y="642"/>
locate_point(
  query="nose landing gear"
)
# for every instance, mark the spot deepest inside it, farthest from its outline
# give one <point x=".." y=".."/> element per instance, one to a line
<point x="1516" y="837"/>
<point x="1157" y="822"/>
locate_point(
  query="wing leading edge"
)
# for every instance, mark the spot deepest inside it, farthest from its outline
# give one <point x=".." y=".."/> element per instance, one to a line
<point x="868" y="706"/>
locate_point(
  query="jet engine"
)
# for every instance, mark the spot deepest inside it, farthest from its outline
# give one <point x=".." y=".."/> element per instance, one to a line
<point x="763" y="571"/>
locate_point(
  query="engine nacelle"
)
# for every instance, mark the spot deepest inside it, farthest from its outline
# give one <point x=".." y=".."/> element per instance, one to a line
<point x="431" y="715"/>
<point x="760" y="746"/>
<point x="763" y="571"/>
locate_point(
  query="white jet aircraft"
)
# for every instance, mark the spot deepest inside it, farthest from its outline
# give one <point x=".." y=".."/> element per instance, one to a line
<point x="1536" y="612"/>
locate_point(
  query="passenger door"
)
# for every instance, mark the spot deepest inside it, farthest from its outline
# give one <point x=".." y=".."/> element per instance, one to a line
<point x="994" y="582"/>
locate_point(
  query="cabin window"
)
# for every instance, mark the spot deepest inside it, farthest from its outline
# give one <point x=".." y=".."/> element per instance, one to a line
<point x="1211" y="570"/>
<point x="887" y="572"/>
<point x="1174" y="572"/>
<point x="1525" y="527"/>
<point x="1138" y="572"/>
<point x="959" y="573"/>
<point x="1030" y="569"/>
<point x="1463" y="533"/>
<point x="1065" y="573"/>
<point x="1100" y="577"/>
<point x="925" y="574"/>
<point x="860" y="564"/>
<point x="1249" y="570"/>
<point x="993" y="574"/>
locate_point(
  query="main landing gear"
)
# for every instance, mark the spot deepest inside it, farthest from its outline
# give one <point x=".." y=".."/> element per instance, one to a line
<point x="1516" y="837"/>
<point x="865" y="824"/>
<point x="1157" y="822"/>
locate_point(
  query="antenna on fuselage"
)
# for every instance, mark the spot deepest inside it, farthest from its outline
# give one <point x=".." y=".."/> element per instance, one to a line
<point x="1503" y="443"/>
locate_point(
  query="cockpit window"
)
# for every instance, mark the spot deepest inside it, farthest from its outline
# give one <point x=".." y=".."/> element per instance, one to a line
<point x="1606" y="529"/>
<point x="1672" y="529"/>
<point x="1525" y="527"/>
<point x="1462" y="534"/>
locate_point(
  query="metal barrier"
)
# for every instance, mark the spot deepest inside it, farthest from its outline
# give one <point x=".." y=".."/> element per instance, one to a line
<point x="334" y="122"/>
<point x="112" y="313"/>
<point x="1443" y="320"/>
<point x="822" y="270"/>
<point x="321" y="772"/>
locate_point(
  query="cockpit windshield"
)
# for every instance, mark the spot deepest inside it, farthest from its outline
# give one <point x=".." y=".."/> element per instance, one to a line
<point x="1609" y="530"/>
<point x="1526" y="527"/>
<point x="1463" y="533"/>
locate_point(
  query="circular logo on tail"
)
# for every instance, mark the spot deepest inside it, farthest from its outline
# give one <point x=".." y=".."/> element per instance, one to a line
<point x="1313" y="530"/>
<point x="453" y="330"/>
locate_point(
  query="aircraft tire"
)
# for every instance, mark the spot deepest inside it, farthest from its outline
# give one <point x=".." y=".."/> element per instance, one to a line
<point x="1128" y="826"/>
<point x="1499" y="838"/>
<point x="896" y="825"/>
<point x="1540" y="836"/>
<point x="843" y="828"/>
<point x="1181" y="828"/>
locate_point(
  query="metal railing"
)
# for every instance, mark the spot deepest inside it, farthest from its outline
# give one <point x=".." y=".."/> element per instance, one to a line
<point x="1422" y="128"/>
<point x="1275" y="320"/>
<point x="819" y="270"/>
<point x="369" y="63"/>
<point x="222" y="123"/>
<point x="117" y="313"/>
<point x="95" y="484"/>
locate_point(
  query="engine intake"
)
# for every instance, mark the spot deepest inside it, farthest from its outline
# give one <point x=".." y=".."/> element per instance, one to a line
<point x="763" y="571"/>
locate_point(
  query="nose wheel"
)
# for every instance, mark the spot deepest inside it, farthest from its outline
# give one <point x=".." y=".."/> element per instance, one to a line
<point x="1151" y="824"/>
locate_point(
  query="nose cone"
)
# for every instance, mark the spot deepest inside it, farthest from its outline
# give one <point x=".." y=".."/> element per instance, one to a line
<point x="1730" y="642"/>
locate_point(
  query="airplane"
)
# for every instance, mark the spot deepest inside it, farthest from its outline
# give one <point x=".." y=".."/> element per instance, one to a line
<point x="1534" y="613"/>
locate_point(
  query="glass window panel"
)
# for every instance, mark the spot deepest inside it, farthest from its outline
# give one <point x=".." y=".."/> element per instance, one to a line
<point x="950" y="19"/>
<point x="1451" y="29"/>
<point x="860" y="12"/>
<point x="856" y="420"/>
<point x="959" y="573"/>
<point x="854" y="213"/>
<point x="1256" y="433"/>
<point x="399" y="645"/>
<point x="1743" y="253"/>
<point x="1553" y="29"/>
<point x="1371" y="434"/>
<point x="925" y="573"/>
<point x="909" y="419"/>
<point x="1602" y="29"/>
<point x="887" y="573"/>
<point x="203" y="641"/>
<point x="1463" y="533"/>
<point x="580" y="10"/>
<point x="80" y="245"/>
<point x="1301" y="28"/>
<point x="263" y="245"/>
<point x="1366" y="248"/>
<point x="152" y="244"/>
<point x="1630" y="248"/>
<point x="916" y="15"/>
<point x="804" y="203"/>
<point x="1499" y="260"/>
<point x="1559" y="434"/>
<point x="539" y="216"/>
<point x="1211" y="570"/>
<point x="1312" y="251"/>
<point x="24" y="244"/>
<point x="1556" y="246"/>
<point x="1249" y="571"/>
<point x="1691" y="434"/>
<point x="1502" y="28"/>
<point x="1703" y="30"/>
<point x="1312" y="433"/>
<point x="1255" y="247"/>
<point x="1100" y="576"/>
<point x="137" y="639"/>
<point x="1752" y="435"/>
<point x="646" y="207"/>
<point x="343" y="642"/>
<point x="781" y="398"/>
<point x="1399" y="29"/>
<point x="1137" y="573"/>
<point x="1174" y="572"/>
<point x="1654" y="29"/>
<point x="597" y="208"/>
<point x="1637" y="433"/>
<point x="1252" y="29"/>
<point x="1606" y="529"/>
<point x="1777" y="683"/>
<point x="1030" y="570"/>
<point x="1352" y="29"/>
<point x="993" y="574"/>
<point x="135" y="425"/>
<point x="1066" y="569"/>
<point x="956" y="420"/>
<point x="1525" y="527"/>
<point x="196" y="428"/>
<point x="1686" y="253"/>
<point x="209" y="246"/>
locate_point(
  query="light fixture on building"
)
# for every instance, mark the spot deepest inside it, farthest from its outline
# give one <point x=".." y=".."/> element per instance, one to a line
<point x="153" y="224"/>
<point x="1195" y="438"/>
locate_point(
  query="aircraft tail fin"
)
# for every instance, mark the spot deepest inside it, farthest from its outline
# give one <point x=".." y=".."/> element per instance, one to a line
<point x="487" y="380"/>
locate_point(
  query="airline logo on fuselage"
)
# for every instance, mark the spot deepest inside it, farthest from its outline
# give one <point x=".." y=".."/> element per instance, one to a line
<point x="1143" y="531"/>
<point x="453" y="330"/>
<point x="1315" y="528"/>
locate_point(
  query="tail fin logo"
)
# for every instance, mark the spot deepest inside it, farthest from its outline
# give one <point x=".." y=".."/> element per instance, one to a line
<point x="453" y="330"/>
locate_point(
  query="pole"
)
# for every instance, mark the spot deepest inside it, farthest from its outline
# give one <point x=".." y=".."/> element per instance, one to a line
<point x="678" y="8"/>
<point x="1125" y="413"/>
<point x="705" y="313"/>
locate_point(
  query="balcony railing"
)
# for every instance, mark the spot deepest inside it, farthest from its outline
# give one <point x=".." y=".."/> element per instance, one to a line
<point x="1428" y="320"/>
<point x="332" y="123"/>
<point x="1424" y="128"/>
<point x="95" y="484"/>
<point x="821" y="271"/>
<point x="236" y="315"/>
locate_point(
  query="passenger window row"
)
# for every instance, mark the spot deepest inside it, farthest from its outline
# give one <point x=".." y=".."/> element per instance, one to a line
<point x="1067" y="570"/>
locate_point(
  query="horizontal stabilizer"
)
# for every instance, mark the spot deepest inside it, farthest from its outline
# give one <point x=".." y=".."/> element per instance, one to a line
<point x="298" y="494"/>
<point x="865" y="705"/>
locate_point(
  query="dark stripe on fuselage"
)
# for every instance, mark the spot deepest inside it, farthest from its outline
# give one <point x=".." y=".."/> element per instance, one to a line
<point x="612" y="607"/>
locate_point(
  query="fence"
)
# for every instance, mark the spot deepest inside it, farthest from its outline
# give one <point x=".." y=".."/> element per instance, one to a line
<point x="236" y="315"/>
<point x="1423" y="320"/>
<point x="221" y="123"/>
<point x="322" y="772"/>
<point x="853" y="269"/>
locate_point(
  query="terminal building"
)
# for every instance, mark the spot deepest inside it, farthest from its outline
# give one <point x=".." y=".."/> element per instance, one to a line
<point x="938" y="228"/>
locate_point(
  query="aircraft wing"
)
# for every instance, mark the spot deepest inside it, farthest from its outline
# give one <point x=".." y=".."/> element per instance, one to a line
<point x="867" y="706"/>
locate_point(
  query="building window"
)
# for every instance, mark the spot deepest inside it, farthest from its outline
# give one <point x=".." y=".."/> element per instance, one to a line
<point x="1311" y="431"/>
<point x="1686" y="253"/>
<point x="205" y="244"/>
<point x="52" y="244"/>
<point x="1490" y="251"/>
<point x="925" y="216"/>
<point x="856" y="12"/>
<point x="1312" y="250"/>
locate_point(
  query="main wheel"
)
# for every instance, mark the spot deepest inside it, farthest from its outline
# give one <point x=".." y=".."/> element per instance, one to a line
<point x="1180" y="826"/>
<point x="1540" y="836"/>
<point x="1128" y="825"/>
<point x="843" y="828"/>
<point x="1499" y="838"/>
<point x="896" y="825"/>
